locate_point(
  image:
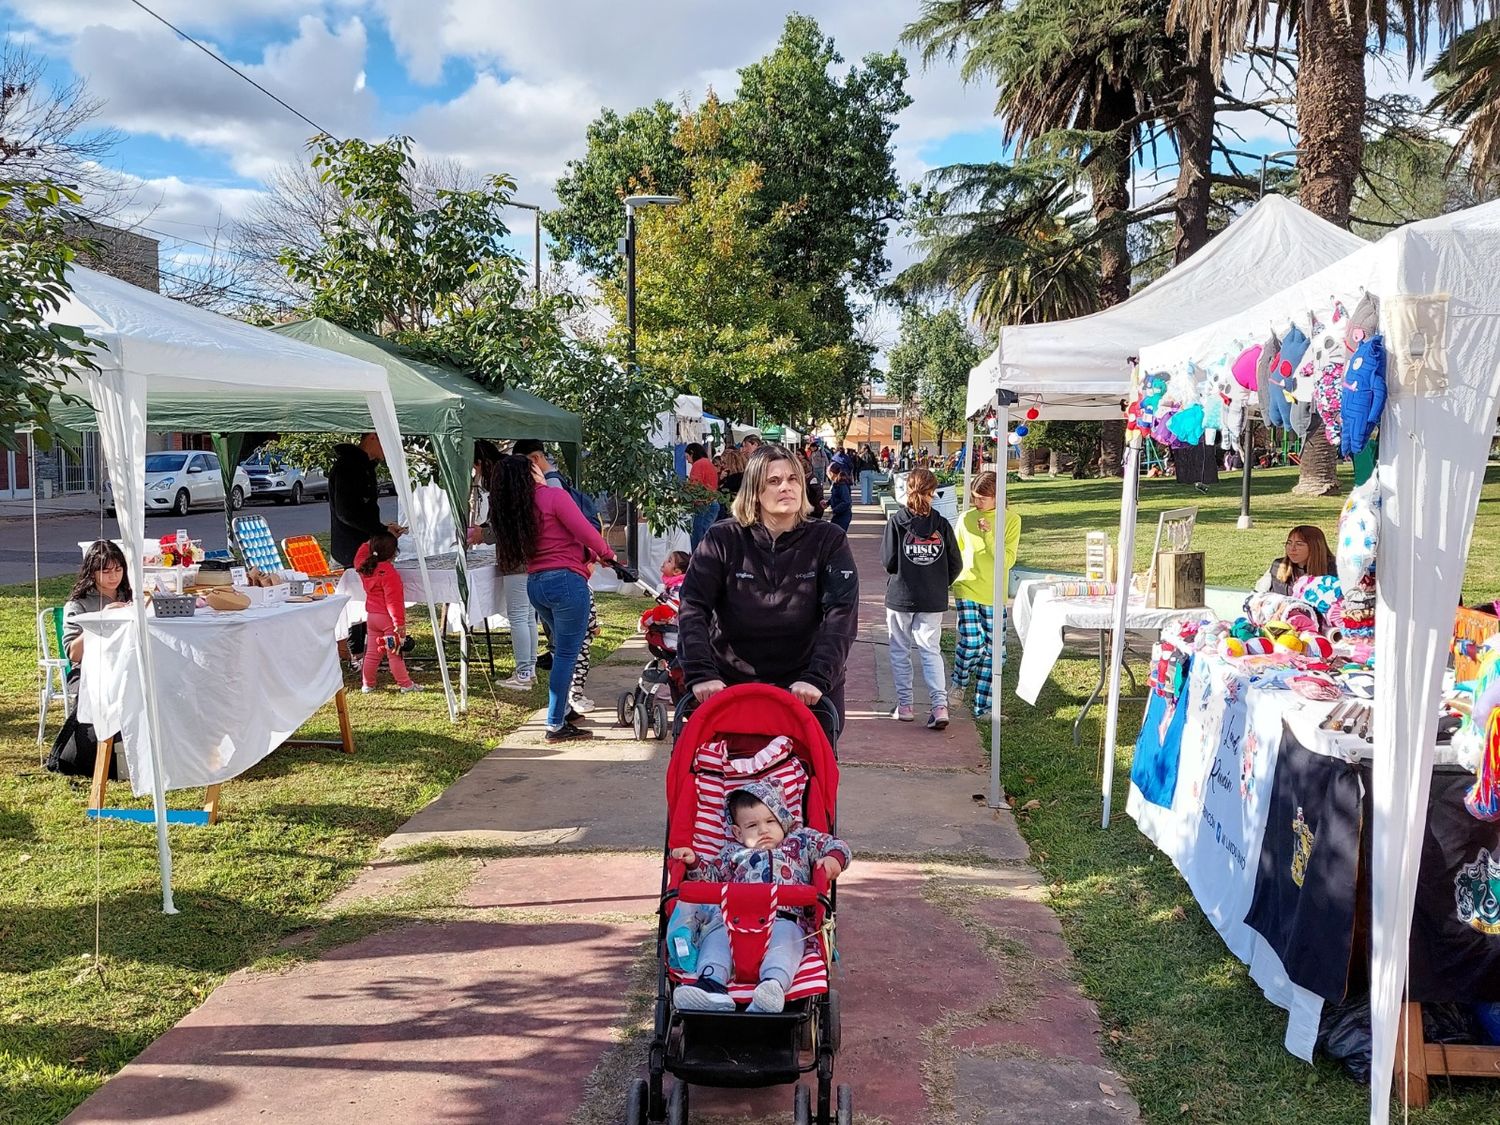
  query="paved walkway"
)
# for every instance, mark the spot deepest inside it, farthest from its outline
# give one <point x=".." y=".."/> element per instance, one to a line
<point x="528" y="1000"/>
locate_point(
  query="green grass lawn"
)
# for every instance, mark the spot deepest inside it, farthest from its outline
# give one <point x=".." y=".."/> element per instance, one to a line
<point x="296" y="828"/>
<point x="1055" y="514"/>
<point x="1185" y="1025"/>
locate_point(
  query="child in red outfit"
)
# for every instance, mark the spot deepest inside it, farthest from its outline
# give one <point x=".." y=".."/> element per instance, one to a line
<point x="674" y="570"/>
<point x="385" y="605"/>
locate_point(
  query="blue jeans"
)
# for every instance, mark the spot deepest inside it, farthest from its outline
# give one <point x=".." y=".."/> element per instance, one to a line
<point x="703" y="519"/>
<point x="522" y="617"/>
<point x="867" y="486"/>
<point x="561" y="598"/>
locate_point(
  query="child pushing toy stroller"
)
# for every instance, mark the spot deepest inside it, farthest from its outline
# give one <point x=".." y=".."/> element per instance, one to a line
<point x="747" y="910"/>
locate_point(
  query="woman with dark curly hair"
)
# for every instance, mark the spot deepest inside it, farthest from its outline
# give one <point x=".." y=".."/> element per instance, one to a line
<point x="542" y="529"/>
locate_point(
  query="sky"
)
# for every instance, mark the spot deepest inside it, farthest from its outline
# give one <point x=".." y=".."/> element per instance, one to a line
<point x="499" y="85"/>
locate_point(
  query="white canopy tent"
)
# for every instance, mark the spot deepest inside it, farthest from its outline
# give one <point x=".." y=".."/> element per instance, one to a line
<point x="153" y="345"/>
<point x="1440" y="314"/>
<point x="1078" y="369"/>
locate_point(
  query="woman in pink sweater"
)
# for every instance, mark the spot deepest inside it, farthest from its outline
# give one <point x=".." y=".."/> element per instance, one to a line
<point x="542" y="529"/>
<point x="385" y="605"/>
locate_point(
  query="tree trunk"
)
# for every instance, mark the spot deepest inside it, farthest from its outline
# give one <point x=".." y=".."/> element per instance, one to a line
<point x="1027" y="468"/>
<point x="1318" y="475"/>
<point x="1054" y="462"/>
<point x="1111" y="449"/>
<point x="1110" y="179"/>
<point x="1330" y="104"/>
<point x="1330" y="117"/>
<point x="1195" y="136"/>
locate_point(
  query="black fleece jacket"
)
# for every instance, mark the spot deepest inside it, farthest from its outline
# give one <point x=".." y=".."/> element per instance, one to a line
<point x="920" y="554"/>
<point x="758" y="611"/>
<point x="353" y="502"/>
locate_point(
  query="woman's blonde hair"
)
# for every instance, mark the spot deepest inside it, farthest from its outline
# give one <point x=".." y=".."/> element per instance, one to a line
<point x="746" y="507"/>
<point x="921" y="486"/>
<point x="731" y="461"/>
<point x="984" y="485"/>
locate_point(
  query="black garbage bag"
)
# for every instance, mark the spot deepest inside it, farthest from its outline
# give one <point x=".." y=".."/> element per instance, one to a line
<point x="1344" y="1036"/>
<point x="75" y="750"/>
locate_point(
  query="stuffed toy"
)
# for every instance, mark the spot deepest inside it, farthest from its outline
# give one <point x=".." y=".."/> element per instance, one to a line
<point x="1322" y="375"/>
<point x="1245" y="367"/>
<point x="1187" y="425"/>
<point x="1301" y="418"/>
<point x="1284" y="373"/>
<point x="1320" y="591"/>
<point x="1363" y="395"/>
<point x="1363" y="323"/>
<point x="1326" y="401"/>
<point x="1270" y="355"/>
<point x="1359" y="538"/>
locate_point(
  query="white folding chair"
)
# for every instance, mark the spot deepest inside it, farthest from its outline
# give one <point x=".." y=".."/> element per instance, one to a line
<point x="54" y="669"/>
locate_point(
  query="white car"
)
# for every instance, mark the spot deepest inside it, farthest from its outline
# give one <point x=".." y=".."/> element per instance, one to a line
<point x="273" y="479"/>
<point x="179" y="480"/>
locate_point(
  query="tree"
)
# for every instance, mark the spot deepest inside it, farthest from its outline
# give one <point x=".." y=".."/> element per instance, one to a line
<point x="1008" y="241"/>
<point x="1467" y="75"/>
<point x="629" y="155"/>
<point x="931" y="363"/>
<point x="35" y="356"/>
<point x="388" y="264"/>
<point x="713" y="319"/>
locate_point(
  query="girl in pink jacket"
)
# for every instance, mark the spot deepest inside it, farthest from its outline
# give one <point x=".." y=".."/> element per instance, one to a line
<point x="385" y="605"/>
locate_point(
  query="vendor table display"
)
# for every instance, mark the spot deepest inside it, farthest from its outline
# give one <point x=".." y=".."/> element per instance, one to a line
<point x="231" y="687"/>
<point x="1262" y="808"/>
<point x="1045" y="609"/>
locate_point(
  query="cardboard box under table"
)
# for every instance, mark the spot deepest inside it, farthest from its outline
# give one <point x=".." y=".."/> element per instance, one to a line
<point x="232" y="687"/>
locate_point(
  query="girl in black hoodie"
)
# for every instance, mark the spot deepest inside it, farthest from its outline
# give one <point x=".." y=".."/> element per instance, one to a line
<point x="921" y="555"/>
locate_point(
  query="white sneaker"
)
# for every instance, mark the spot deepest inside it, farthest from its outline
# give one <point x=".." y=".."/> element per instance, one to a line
<point x="581" y="703"/>
<point x="365" y="689"/>
<point x="409" y="688"/>
<point x="691" y="998"/>
<point x="519" y="683"/>
<point x="769" y="997"/>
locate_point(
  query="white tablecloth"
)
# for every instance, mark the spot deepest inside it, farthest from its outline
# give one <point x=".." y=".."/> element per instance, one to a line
<point x="486" y="599"/>
<point x="231" y="687"/>
<point x="1042" y="617"/>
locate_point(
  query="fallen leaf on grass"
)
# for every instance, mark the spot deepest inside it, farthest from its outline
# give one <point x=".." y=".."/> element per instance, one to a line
<point x="1116" y="1036"/>
<point x="1031" y="805"/>
<point x="1106" y="1088"/>
<point x="23" y="858"/>
<point x="1178" y="914"/>
<point x="1183" y="1108"/>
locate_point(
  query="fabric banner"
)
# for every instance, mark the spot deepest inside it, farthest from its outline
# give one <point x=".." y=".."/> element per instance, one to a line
<point x="1304" y="903"/>
<point x="1455" y="934"/>
<point x="1153" y="769"/>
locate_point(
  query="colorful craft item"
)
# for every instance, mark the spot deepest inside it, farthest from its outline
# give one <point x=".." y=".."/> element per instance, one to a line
<point x="1362" y="395"/>
<point x="1187" y="425"/>
<point x="1315" y="686"/>
<point x="1359" y="542"/>
<point x="1320" y="591"/>
<point x="1033" y="414"/>
<point x="1232" y="648"/>
<point x="1315" y="644"/>
<point x="1284" y="372"/>
<point x="1290" y="642"/>
<point x="1244" y="368"/>
<point x="1483" y="798"/>
<point x="1363" y="323"/>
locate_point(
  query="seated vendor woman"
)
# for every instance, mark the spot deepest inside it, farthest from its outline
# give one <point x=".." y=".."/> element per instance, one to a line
<point x="101" y="585"/>
<point x="1306" y="553"/>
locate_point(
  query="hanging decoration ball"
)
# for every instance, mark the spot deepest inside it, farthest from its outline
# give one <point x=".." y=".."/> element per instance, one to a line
<point x="1033" y="414"/>
<point x="1023" y="429"/>
<point x="1014" y="439"/>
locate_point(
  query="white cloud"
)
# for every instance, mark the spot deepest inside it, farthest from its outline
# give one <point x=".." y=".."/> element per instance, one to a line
<point x="153" y="82"/>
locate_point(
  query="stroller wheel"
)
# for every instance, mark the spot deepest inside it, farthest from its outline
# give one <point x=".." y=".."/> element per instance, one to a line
<point x="637" y="1102"/>
<point x="802" y="1105"/>
<point x="677" y="1104"/>
<point x="623" y="706"/>
<point x="663" y="722"/>
<point x="640" y="716"/>
<point x="846" y="1106"/>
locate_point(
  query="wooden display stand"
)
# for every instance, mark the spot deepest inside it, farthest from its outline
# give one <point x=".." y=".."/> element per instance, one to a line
<point x="1431" y="1060"/>
<point x="1179" y="579"/>
<point x="106" y="755"/>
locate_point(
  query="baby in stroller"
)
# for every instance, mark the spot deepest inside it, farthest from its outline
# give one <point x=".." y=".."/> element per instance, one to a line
<point x="773" y="847"/>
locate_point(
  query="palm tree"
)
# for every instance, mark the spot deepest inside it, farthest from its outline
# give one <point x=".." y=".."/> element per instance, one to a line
<point x="1467" y="75"/>
<point x="1331" y="38"/>
<point x="1011" y="242"/>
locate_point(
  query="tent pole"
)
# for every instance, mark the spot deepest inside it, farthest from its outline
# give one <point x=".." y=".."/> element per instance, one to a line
<point x="1245" y="523"/>
<point x="1124" y="564"/>
<point x="963" y="501"/>
<point x="997" y="613"/>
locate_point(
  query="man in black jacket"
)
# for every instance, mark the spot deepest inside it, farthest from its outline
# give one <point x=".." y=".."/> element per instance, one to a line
<point x="354" y="509"/>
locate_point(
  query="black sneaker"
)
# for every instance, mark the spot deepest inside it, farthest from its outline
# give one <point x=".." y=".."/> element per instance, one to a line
<point x="568" y="733"/>
<point x="544" y="662"/>
<point x="573" y="717"/>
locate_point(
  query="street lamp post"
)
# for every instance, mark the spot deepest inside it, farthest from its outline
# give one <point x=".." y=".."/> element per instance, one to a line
<point x="627" y="247"/>
<point x="536" y="249"/>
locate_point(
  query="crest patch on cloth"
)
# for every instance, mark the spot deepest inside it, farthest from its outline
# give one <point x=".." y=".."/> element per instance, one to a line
<point x="1476" y="891"/>
<point x="1303" y="842"/>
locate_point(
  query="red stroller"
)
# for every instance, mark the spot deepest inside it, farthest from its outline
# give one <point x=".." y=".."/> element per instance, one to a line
<point x="751" y="732"/>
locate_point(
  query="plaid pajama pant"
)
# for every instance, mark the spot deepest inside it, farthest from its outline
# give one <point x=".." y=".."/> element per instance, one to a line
<point x="974" y="658"/>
